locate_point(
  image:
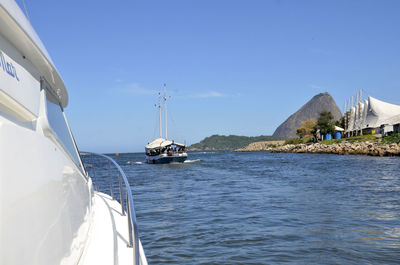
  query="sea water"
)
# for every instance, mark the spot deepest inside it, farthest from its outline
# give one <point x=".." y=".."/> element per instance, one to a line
<point x="263" y="208"/>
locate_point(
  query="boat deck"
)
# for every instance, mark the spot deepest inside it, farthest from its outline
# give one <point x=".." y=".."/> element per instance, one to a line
<point x="108" y="236"/>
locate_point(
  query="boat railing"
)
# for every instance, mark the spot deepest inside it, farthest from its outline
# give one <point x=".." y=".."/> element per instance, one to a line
<point x="127" y="200"/>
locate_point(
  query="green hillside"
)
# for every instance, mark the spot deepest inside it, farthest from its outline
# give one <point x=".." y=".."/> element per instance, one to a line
<point x="223" y="142"/>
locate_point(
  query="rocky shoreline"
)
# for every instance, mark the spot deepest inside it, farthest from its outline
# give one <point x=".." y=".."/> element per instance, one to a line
<point x="342" y="148"/>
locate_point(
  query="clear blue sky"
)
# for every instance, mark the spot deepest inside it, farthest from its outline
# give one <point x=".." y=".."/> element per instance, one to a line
<point x="231" y="66"/>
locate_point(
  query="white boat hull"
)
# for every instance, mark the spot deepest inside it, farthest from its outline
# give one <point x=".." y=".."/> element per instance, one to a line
<point x="47" y="215"/>
<point x="45" y="200"/>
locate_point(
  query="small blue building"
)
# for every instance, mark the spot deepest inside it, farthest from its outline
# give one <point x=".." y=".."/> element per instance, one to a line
<point x="338" y="132"/>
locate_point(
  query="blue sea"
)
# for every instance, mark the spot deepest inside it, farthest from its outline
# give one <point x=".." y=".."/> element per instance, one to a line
<point x="264" y="208"/>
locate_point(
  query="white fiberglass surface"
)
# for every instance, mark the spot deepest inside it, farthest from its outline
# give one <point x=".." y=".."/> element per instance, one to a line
<point x="18" y="31"/>
<point x="108" y="236"/>
<point x="44" y="200"/>
<point x="19" y="80"/>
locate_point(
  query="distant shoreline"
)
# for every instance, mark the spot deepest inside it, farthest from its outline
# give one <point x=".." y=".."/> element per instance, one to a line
<point x="229" y="142"/>
<point x="342" y="148"/>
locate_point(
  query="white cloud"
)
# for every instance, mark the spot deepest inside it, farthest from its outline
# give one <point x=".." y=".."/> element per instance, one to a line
<point x="136" y="89"/>
<point x="211" y="94"/>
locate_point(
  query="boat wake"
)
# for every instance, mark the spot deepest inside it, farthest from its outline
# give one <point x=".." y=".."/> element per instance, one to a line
<point x="134" y="163"/>
<point x="192" y="161"/>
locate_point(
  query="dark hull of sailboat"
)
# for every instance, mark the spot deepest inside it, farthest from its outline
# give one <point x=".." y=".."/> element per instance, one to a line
<point x="166" y="159"/>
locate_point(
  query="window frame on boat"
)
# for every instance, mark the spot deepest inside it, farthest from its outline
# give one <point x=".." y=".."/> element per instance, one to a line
<point x="58" y="126"/>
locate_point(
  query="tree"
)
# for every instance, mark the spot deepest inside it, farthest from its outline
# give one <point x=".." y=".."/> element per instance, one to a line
<point x="307" y="128"/>
<point x="325" y="123"/>
<point x="345" y="120"/>
<point x="301" y="132"/>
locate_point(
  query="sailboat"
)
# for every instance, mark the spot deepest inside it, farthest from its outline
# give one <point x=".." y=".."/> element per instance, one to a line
<point x="161" y="150"/>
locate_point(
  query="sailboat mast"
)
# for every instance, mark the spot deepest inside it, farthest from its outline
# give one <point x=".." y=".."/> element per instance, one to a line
<point x="159" y="111"/>
<point x="165" y="112"/>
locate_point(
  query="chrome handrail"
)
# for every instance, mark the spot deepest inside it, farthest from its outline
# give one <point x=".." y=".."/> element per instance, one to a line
<point x="132" y="224"/>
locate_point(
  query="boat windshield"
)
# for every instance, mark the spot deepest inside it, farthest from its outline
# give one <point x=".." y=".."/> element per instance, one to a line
<point x="59" y="126"/>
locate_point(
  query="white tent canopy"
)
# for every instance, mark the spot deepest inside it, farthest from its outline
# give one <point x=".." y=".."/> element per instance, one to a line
<point x="338" y="129"/>
<point x="379" y="112"/>
<point x="392" y="120"/>
<point x="351" y="119"/>
<point x="372" y="114"/>
<point x="160" y="143"/>
<point x="356" y="117"/>
<point x="364" y="115"/>
<point x="360" y="115"/>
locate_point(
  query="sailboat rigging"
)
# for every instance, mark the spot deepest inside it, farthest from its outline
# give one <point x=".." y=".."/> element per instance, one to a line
<point x="162" y="150"/>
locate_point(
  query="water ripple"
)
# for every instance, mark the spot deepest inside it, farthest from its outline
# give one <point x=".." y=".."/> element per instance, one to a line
<point x="262" y="208"/>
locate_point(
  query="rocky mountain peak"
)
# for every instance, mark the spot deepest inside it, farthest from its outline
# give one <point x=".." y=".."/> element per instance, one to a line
<point x="311" y="110"/>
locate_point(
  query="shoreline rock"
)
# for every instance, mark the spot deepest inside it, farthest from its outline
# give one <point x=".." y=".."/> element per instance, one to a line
<point x="342" y="148"/>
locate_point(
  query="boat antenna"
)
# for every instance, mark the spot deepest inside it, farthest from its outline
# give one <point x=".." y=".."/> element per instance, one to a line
<point x="165" y="111"/>
<point x="26" y="10"/>
<point x="159" y="111"/>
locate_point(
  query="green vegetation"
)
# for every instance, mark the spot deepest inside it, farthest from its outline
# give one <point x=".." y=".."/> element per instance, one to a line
<point x="360" y="138"/>
<point x="333" y="141"/>
<point x="303" y="140"/>
<point x="325" y="123"/>
<point x="223" y="142"/>
<point x="366" y="137"/>
<point x="341" y="123"/>
<point x="391" y="139"/>
<point x="307" y="128"/>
